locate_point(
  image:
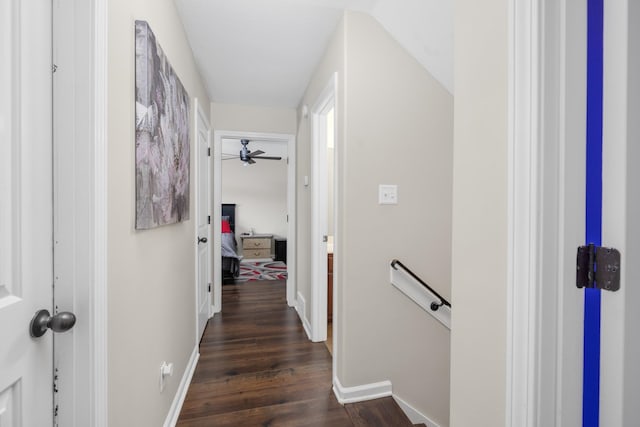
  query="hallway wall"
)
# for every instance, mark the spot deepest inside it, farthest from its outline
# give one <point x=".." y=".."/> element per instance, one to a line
<point x="395" y="126"/>
<point x="480" y="223"/>
<point x="151" y="288"/>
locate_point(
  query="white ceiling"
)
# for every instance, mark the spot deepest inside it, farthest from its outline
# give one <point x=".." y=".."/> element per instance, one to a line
<point x="263" y="52"/>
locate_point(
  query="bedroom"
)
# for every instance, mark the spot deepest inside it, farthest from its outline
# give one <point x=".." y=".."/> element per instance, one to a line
<point x="254" y="194"/>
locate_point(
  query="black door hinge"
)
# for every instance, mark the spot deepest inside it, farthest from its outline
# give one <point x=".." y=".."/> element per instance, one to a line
<point x="209" y="288"/>
<point x="598" y="267"/>
<point x="209" y="151"/>
<point x="208" y="219"/>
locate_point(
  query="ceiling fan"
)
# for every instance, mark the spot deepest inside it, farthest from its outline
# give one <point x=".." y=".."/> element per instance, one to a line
<point x="247" y="157"/>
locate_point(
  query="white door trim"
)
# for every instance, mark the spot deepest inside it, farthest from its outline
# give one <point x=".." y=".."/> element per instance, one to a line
<point x="292" y="260"/>
<point x="546" y="124"/>
<point x="522" y="168"/>
<point x="100" y="294"/>
<point x="218" y="136"/>
<point x="89" y="20"/>
<point x="319" y="206"/>
<point x="619" y="159"/>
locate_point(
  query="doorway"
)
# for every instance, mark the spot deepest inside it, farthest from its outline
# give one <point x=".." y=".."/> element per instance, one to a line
<point x="289" y="141"/>
<point x="323" y="214"/>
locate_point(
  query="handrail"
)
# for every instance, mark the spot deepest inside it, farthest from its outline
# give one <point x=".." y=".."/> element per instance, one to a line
<point x="434" y="305"/>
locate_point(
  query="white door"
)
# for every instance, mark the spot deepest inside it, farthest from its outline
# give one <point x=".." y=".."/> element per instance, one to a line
<point x="26" y="251"/>
<point x="595" y="379"/>
<point x="203" y="221"/>
<point x="620" y="311"/>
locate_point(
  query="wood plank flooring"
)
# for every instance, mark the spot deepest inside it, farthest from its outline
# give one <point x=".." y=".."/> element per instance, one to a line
<point x="258" y="368"/>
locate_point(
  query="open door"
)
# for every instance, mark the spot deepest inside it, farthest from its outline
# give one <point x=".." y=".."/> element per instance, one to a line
<point x="587" y="371"/>
<point x="203" y="222"/>
<point x="26" y="212"/>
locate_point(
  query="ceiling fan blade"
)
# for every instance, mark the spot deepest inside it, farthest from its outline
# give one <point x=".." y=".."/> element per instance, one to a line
<point x="251" y="161"/>
<point x="256" y="153"/>
<point x="268" y="158"/>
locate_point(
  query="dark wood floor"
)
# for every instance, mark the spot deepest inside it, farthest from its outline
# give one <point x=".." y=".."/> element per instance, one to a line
<point x="258" y="368"/>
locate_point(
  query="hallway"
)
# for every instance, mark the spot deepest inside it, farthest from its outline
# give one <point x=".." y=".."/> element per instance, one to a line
<point x="258" y="368"/>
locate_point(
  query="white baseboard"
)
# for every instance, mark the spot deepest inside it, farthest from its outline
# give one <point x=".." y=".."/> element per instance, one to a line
<point x="181" y="393"/>
<point x="300" y="308"/>
<point x="414" y="415"/>
<point x="360" y="393"/>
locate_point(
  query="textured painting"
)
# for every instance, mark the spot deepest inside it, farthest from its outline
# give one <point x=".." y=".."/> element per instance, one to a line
<point x="162" y="136"/>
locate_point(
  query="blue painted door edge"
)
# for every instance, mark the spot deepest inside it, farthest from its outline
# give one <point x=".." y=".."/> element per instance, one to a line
<point x="593" y="214"/>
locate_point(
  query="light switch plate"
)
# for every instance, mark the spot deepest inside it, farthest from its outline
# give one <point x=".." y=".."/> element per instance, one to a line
<point x="387" y="194"/>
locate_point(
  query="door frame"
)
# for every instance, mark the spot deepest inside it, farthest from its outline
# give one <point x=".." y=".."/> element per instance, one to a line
<point x="201" y="115"/>
<point x="319" y="207"/>
<point x="89" y="55"/>
<point x="290" y="140"/>
<point x="536" y="179"/>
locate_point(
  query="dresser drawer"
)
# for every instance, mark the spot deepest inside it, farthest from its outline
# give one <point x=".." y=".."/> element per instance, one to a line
<point x="249" y="253"/>
<point x="256" y="243"/>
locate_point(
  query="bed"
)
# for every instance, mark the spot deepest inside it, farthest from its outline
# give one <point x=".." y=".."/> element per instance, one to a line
<point x="230" y="258"/>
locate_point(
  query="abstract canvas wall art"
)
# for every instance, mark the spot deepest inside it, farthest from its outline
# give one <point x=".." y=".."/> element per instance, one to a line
<point x="162" y="136"/>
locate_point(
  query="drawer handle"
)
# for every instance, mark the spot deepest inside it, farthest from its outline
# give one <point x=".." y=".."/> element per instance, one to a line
<point x="256" y="243"/>
<point x="256" y="253"/>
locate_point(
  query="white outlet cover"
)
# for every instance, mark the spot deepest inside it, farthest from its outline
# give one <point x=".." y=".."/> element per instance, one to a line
<point x="387" y="194"/>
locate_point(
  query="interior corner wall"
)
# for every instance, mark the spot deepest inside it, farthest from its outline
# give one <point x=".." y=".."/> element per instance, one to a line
<point x="480" y="194"/>
<point x="151" y="288"/>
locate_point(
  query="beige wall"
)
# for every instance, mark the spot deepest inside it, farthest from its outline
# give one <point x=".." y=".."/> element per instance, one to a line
<point x="479" y="263"/>
<point x="244" y="118"/>
<point x="150" y="273"/>
<point x="394" y="127"/>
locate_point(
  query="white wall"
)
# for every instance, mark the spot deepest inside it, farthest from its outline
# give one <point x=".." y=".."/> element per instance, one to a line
<point x="150" y="273"/>
<point x="479" y="256"/>
<point x="395" y="126"/>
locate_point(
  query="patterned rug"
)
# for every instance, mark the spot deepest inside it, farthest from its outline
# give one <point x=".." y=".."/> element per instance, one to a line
<point x="264" y="270"/>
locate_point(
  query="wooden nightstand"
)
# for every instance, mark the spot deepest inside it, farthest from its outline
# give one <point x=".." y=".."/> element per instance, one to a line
<point x="256" y="246"/>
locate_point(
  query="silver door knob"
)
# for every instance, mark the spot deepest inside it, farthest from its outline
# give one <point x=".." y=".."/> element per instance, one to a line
<point x="43" y="320"/>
